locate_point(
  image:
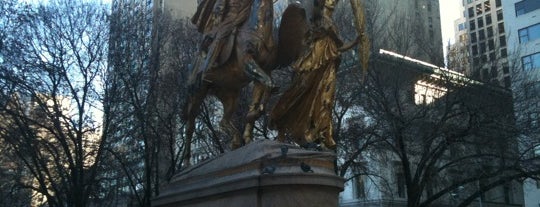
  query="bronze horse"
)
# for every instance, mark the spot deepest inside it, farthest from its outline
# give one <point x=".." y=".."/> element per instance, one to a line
<point x="226" y="81"/>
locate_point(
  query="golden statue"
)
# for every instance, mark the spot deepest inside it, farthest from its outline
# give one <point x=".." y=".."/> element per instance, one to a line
<point x="239" y="47"/>
<point x="304" y="112"/>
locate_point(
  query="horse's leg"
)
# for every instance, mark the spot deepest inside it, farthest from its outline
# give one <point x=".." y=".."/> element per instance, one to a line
<point x="256" y="109"/>
<point x="229" y="99"/>
<point x="191" y="111"/>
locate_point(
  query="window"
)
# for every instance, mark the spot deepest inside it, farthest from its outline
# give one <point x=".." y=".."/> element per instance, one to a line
<point x="478" y="9"/>
<point x="501" y="28"/>
<point x="487" y="6"/>
<point x="492" y="56"/>
<point x="498" y="3"/>
<point x="526" y="6"/>
<point x="461" y="27"/>
<point x="502" y="41"/>
<point x="480" y="22"/>
<point x="488" y="19"/>
<point x="473" y="37"/>
<point x="529" y="33"/>
<point x="481" y="35"/>
<point x="494" y="72"/>
<point x="499" y="15"/>
<point x="491" y="44"/>
<point x="475" y="50"/>
<point x="489" y="31"/>
<point x="504" y="53"/>
<point x="506" y="68"/>
<point x="471" y="11"/>
<point x="482" y="48"/>
<point x="531" y="62"/>
<point x="472" y="26"/>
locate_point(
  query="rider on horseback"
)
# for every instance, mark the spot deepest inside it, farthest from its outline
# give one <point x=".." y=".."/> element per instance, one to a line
<point x="219" y="21"/>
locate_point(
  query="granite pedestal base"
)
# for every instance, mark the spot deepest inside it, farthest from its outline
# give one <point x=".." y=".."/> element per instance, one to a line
<point x="261" y="174"/>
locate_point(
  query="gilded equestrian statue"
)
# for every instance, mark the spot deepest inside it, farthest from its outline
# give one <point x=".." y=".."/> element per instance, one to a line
<point x="238" y="47"/>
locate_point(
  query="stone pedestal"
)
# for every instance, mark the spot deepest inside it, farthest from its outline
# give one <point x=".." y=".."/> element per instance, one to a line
<point x="262" y="174"/>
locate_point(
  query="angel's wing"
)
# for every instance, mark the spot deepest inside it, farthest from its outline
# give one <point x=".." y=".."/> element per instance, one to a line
<point x="292" y="35"/>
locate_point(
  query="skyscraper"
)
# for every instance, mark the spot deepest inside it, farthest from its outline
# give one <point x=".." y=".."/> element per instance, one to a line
<point x="522" y="22"/>
<point x="487" y="42"/>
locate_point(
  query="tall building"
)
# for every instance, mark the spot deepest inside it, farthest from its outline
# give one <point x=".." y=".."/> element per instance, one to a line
<point x="458" y="53"/>
<point x="522" y="22"/>
<point x="411" y="28"/>
<point x="487" y="42"/>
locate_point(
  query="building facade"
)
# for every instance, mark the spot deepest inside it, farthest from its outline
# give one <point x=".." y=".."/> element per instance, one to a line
<point x="522" y="21"/>
<point x="426" y="85"/>
<point x="487" y="44"/>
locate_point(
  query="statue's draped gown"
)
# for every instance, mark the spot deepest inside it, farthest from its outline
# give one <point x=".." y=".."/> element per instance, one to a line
<point x="304" y="112"/>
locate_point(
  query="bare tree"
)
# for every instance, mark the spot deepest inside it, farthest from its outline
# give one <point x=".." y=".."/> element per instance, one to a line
<point x="55" y="60"/>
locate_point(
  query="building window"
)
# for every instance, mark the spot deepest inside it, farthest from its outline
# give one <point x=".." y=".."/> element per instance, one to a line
<point x="461" y="27"/>
<point x="475" y="50"/>
<point x="471" y="12"/>
<point x="529" y="33"/>
<point x="506" y="68"/>
<point x="473" y="37"/>
<point x="531" y="62"/>
<point x="480" y="22"/>
<point x="472" y="26"/>
<point x="487" y="6"/>
<point x="502" y="41"/>
<point x="489" y="31"/>
<point x="482" y="48"/>
<point x="491" y="44"/>
<point x="526" y="6"/>
<point x="501" y="28"/>
<point x="499" y="15"/>
<point x="498" y="3"/>
<point x="481" y="35"/>
<point x="494" y="72"/>
<point x="478" y="9"/>
<point x="488" y="19"/>
<point x="504" y="53"/>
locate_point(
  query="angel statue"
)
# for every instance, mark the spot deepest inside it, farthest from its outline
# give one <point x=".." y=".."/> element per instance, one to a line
<point x="304" y="111"/>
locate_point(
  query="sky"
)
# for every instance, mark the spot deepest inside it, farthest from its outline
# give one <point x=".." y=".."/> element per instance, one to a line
<point x="449" y="12"/>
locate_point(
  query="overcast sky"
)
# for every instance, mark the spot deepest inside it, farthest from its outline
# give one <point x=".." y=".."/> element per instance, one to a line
<point x="449" y="13"/>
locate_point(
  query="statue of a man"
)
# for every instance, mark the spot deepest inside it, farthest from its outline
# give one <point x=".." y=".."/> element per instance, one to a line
<point x="218" y="21"/>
